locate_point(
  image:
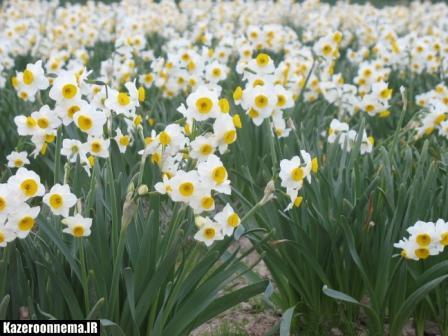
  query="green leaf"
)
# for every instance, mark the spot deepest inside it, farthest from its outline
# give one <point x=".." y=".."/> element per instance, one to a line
<point x="94" y="312"/>
<point x="285" y="324"/>
<point x="113" y="327"/>
<point x="339" y="295"/>
<point x="227" y="301"/>
<point x="4" y="307"/>
<point x="405" y="311"/>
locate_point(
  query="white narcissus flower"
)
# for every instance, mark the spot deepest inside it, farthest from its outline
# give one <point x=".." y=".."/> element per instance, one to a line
<point x="33" y="79"/>
<point x="90" y="121"/>
<point x="203" y="201"/>
<point x="72" y="149"/>
<point x="17" y="159"/>
<point x="65" y="87"/>
<point x="294" y="171"/>
<point x="123" y="102"/>
<point x="26" y="184"/>
<point x="97" y="146"/>
<point x="77" y="226"/>
<point x="262" y="64"/>
<point x="284" y="97"/>
<point x="336" y="128"/>
<point x="66" y="109"/>
<point x="171" y="139"/>
<point x="122" y="140"/>
<point x="23" y="219"/>
<point x="213" y="173"/>
<point x="441" y="230"/>
<point x="224" y="131"/>
<point x="216" y="72"/>
<point x="423" y="233"/>
<point x="209" y="231"/>
<point x="8" y="200"/>
<point x="26" y="125"/>
<point x="46" y="119"/>
<point x="202" y="146"/>
<point x="185" y="186"/>
<point x="228" y="219"/>
<point x="203" y="104"/>
<point x="7" y="234"/>
<point x="259" y="102"/>
<point x="60" y="199"/>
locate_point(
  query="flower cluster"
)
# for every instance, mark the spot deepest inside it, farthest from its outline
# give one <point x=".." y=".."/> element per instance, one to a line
<point x="435" y="111"/>
<point x="293" y="173"/>
<point x="346" y="138"/>
<point x="18" y="216"/>
<point x="426" y="239"/>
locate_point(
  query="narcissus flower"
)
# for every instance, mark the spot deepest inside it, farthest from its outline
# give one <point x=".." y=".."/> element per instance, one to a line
<point x="294" y="171"/>
<point x="185" y="186"/>
<point x="65" y="87"/>
<point x="8" y="200"/>
<point x="23" y="219"/>
<point x="46" y="119"/>
<point x="90" y="121"/>
<point x="123" y="102"/>
<point x="77" y="226"/>
<point x="203" y="104"/>
<point x="203" y="146"/>
<point x="213" y="173"/>
<point x="225" y="132"/>
<point x="228" y="219"/>
<point x="209" y="231"/>
<point x="97" y="146"/>
<point x="122" y="140"/>
<point x="60" y="199"/>
<point x="33" y="79"/>
<point x="26" y="184"/>
<point x="17" y="159"/>
<point x="7" y="234"/>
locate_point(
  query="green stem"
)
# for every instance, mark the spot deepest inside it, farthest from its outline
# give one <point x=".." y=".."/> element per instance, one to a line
<point x="273" y="152"/>
<point x="114" y="288"/>
<point x="57" y="156"/>
<point x="85" y="285"/>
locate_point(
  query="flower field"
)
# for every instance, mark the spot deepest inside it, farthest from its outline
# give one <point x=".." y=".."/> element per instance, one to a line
<point x="154" y="154"/>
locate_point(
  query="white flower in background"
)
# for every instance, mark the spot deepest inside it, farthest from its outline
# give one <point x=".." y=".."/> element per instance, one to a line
<point x="17" y="159"/>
